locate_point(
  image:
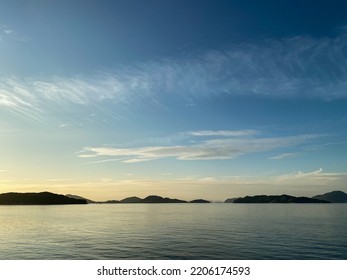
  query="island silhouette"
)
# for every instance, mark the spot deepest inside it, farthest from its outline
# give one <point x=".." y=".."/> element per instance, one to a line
<point x="334" y="197"/>
<point x="42" y="198"/>
<point x="48" y="198"/>
<point x="330" y="197"/>
<point x="278" y="199"/>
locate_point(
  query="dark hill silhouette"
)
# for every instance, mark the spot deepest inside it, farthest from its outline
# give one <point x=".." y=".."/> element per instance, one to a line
<point x="80" y="197"/>
<point x="133" y="199"/>
<point x="111" y="201"/>
<point x="199" y="201"/>
<point x="42" y="198"/>
<point x="231" y="200"/>
<point x="335" y="197"/>
<point x="148" y="199"/>
<point x="277" y="199"/>
<point x="159" y="199"/>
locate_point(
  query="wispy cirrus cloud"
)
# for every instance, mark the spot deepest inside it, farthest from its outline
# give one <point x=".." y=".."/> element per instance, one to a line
<point x="223" y="133"/>
<point x="58" y="180"/>
<point x="63" y="125"/>
<point x="284" y="156"/>
<point x="315" y="177"/>
<point x="7" y="32"/>
<point x="212" y="149"/>
<point x="297" y="67"/>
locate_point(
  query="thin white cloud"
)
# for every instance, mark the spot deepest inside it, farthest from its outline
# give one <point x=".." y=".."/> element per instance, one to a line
<point x="64" y="125"/>
<point x="58" y="180"/>
<point x="103" y="161"/>
<point x="10" y="33"/>
<point x="315" y="177"/>
<point x="215" y="149"/>
<point x="226" y="133"/>
<point x="318" y="172"/>
<point x="136" y="160"/>
<point x="284" y="156"/>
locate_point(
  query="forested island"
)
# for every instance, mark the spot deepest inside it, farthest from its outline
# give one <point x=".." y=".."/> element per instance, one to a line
<point x="48" y="198"/>
<point x="330" y="197"/>
<point x="334" y="197"/>
<point x="154" y="199"/>
<point x="277" y="199"/>
<point x="42" y="198"/>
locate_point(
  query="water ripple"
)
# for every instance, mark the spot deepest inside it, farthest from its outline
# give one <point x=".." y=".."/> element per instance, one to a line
<point x="214" y="231"/>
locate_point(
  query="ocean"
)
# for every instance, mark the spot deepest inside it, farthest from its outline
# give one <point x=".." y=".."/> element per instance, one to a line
<point x="174" y="231"/>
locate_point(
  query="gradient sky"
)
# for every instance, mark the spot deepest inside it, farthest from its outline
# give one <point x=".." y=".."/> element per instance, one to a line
<point x="186" y="99"/>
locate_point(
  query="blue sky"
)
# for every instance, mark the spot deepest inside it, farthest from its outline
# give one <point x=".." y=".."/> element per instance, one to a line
<point x="187" y="99"/>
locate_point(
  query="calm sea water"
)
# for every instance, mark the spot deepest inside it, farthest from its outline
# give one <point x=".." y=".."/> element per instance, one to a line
<point x="174" y="231"/>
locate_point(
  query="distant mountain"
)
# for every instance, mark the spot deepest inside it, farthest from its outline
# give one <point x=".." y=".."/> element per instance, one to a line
<point x="231" y="200"/>
<point x="277" y="199"/>
<point x="80" y="197"/>
<point x="335" y="197"/>
<point x="199" y="201"/>
<point x="159" y="199"/>
<point x="133" y="199"/>
<point x="111" y="201"/>
<point x="148" y="199"/>
<point x="42" y="198"/>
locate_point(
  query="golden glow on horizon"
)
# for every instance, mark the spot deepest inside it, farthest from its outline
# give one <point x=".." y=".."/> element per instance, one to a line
<point x="187" y="188"/>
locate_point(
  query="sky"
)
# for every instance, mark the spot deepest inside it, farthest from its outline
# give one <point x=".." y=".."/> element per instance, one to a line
<point x="184" y="99"/>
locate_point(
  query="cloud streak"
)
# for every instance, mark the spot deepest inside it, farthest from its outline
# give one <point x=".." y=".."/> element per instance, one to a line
<point x="225" y="133"/>
<point x="9" y="33"/>
<point x="298" y="67"/>
<point x="316" y="177"/>
<point x="284" y="156"/>
<point x="212" y="149"/>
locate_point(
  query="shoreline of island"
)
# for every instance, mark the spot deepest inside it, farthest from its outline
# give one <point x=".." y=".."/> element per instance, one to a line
<point x="48" y="198"/>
